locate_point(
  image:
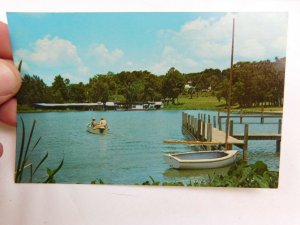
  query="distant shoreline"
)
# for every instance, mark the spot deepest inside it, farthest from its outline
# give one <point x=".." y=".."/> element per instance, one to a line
<point x="184" y="103"/>
<point x="245" y="111"/>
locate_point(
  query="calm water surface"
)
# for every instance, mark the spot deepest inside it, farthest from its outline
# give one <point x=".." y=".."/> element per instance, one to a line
<point x="131" y="151"/>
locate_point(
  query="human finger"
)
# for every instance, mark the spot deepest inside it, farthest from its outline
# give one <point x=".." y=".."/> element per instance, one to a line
<point x="8" y="112"/>
<point x="10" y="80"/>
<point x="1" y="149"/>
<point x="5" y="45"/>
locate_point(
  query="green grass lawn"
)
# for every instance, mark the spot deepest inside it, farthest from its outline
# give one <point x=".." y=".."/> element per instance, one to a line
<point x="212" y="103"/>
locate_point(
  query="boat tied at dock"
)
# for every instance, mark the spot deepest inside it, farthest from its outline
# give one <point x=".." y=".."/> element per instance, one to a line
<point x="201" y="159"/>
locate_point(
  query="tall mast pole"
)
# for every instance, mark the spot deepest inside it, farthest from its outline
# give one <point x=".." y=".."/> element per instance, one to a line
<point x="229" y="90"/>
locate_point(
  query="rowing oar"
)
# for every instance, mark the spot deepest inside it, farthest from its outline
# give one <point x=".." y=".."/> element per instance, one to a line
<point x="193" y="142"/>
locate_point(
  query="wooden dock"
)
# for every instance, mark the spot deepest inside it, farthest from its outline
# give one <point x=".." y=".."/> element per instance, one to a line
<point x="198" y="129"/>
<point x="202" y="132"/>
<point x="259" y="137"/>
<point x="262" y="116"/>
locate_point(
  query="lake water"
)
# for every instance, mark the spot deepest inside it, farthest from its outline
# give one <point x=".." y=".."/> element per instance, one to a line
<point x="131" y="151"/>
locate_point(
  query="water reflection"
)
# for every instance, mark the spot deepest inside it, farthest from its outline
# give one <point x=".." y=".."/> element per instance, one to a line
<point x="175" y="173"/>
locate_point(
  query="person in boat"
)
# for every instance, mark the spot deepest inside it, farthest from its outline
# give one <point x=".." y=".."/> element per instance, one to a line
<point x="93" y="122"/>
<point x="102" y="124"/>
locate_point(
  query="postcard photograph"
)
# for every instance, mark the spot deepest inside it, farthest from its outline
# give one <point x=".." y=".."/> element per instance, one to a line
<point x="140" y="98"/>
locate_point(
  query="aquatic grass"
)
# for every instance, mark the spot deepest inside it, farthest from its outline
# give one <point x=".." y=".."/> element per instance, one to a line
<point x="23" y="160"/>
<point x="97" y="181"/>
<point x="51" y="173"/>
<point x="240" y="174"/>
<point x="21" y="153"/>
<point x="40" y="163"/>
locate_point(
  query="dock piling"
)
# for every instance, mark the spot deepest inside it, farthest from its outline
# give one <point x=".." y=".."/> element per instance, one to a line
<point x="230" y="132"/>
<point x="203" y="131"/>
<point x="198" y="129"/>
<point x="245" y="147"/>
<point x="278" y="142"/>
<point x="214" y="122"/>
<point x="220" y="123"/>
<point x="262" y="116"/>
<point x="241" y="115"/>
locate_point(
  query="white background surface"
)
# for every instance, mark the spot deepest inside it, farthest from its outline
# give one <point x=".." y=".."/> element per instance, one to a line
<point x="56" y="204"/>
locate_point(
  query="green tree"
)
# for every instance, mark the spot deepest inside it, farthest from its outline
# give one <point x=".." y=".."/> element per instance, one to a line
<point x="77" y="92"/>
<point x="101" y="87"/>
<point x="33" y="90"/>
<point x="173" y="84"/>
<point x="59" y="89"/>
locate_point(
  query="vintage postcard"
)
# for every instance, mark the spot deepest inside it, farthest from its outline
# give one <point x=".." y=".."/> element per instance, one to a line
<point x="165" y="98"/>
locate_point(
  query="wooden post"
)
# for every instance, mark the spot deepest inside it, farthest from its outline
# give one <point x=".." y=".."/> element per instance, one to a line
<point x="198" y="129"/>
<point x="279" y="126"/>
<point x="278" y="142"/>
<point x="204" y="118"/>
<point x="262" y="116"/>
<point x="220" y="123"/>
<point x="241" y="116"/>
<point x="188" y="122"/>
<point x="209" y="132"/>
<point x="203" y="131"/>
<point x="195" y="127"/>
<point x="245" y="147"/>
<point x="208" y="118"/>
<point x="214" y="122"/>
<point x="231" y="128"/>
<point x="230" y="132"/>
<point x="192" y="125"/>
<point x="209" y="135"/>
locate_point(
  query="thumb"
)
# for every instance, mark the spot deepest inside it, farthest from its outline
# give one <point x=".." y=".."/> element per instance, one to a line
<point x="10" y="80"/>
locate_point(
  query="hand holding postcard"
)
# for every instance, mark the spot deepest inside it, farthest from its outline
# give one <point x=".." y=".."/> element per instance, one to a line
<point x="180" y="99"/>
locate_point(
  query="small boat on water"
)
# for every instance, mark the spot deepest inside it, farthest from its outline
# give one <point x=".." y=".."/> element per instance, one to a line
<point x="93" y="130"/>
<point x="201" y="159"/>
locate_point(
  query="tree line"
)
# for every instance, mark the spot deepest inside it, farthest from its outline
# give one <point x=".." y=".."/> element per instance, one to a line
<point x="254" y="84"/>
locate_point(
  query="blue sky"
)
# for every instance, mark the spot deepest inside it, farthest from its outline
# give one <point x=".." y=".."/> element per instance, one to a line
<point x="80" y="45"/>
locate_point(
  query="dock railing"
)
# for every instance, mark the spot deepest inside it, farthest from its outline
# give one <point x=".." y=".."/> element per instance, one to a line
<point x="200" y="130"/>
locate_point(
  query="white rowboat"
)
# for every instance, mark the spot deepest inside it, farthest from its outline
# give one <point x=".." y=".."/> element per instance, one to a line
<point x="201" y="159"/>
<point x="92" y="130"/>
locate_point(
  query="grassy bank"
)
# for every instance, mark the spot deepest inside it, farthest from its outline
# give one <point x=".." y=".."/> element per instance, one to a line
<point x="184" y="103"/>
<point x="212" y="103"/>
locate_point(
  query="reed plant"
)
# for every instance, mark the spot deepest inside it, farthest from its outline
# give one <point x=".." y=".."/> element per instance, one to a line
<point x="23" y="161"/>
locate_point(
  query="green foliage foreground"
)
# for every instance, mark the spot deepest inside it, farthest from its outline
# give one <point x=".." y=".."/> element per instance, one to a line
<point x="240" y="174"/>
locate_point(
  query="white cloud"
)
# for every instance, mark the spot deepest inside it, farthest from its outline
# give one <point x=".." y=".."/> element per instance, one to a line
<point x="171" y="58"/>
<point x="51" y="52"/>
<point x="258" y="36"/>
<point x="55" y="53"/>
<point x="104" y="55"/>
